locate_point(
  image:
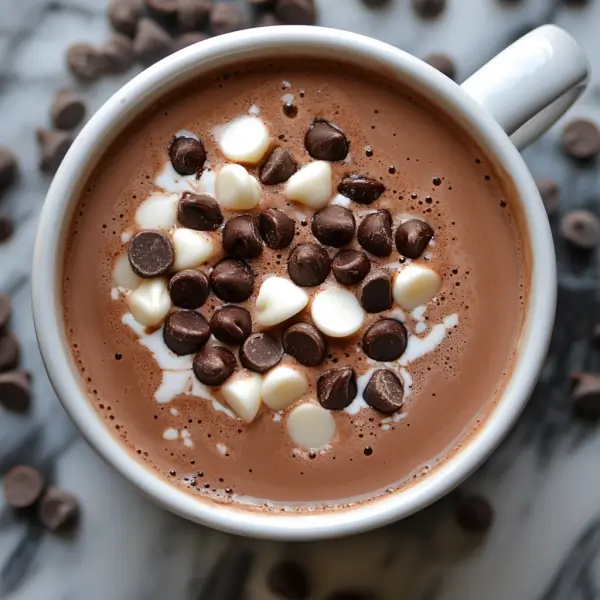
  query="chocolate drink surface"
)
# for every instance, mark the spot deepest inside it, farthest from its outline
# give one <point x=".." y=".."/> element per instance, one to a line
<point x="292" y="283"/>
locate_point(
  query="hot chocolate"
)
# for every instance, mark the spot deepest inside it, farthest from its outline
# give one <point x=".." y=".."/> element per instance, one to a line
<point x="294" y="284"/>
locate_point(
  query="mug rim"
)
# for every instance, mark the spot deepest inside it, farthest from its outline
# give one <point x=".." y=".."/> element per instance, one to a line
<point x="105" y="125"/>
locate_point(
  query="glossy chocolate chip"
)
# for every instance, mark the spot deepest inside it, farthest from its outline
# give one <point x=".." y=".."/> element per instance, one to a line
<point x="187" y="155"/>
<point x="581" y="139"/>
<point x="350" y="266"/>
<point x="232" y="280"/>
<point x="384" y="392"/>
<point x="288" y="580"/>
<point x="333" y="226"/>
<point x="241" y="237"/>
<point x="308" y="265"/>
<point x="261" y="352"/>
<point x="58" y="509"/>
<point x="325" y="141"/>
<point x="581" y="228"/>
<point x="23" y="486"/>
<point x="213" y="365"/>
<point x="276" y="228"/>
<point x="231" y="324"/>
<point x="375" y="292"/>
<point x="412" y="237"/>
<point x="361" y="190"/>
<point x="305" y="343"/>
<point x="199" y="211"/>
<point x="385" y="340"/>
<point x="336" y="389"/>
<point x="475" y="514"/>
<point x="150" y="253"/>
<point x="185" y="332"/>
<point x="189" y="288"/>
<point x="375" y="233"/>
<point x="278" y="168"/>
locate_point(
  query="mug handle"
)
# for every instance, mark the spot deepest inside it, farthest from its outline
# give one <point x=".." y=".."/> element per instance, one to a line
<point x="530" y="85"/>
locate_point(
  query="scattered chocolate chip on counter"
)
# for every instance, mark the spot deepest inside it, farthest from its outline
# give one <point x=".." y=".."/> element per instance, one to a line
<point x="85" y="62"/>
<point x="443" y="63"/>
<point x="58" y="509"/>
<point x="23" y="486"/>
<point x="289" y="580"/>
<point x="429" y="9"/>
<point x="53" y="145"/>
<point x="231" y="324"/>
<point x="324" y="141"/>
<point x="5" y="313"/>
<point x="10" y="352"/>
<point x="151" y="253"/>
<point x="278" y="168"/>
<point x="305" y="343"/>
<point x="225" y="18"/>
<point x="276" y="228"/>
<point x="376" y="3"/>
<point x="124" y="15"/>
<point x="374" y="233"/>
<point x="384" y="392"/>
<point x="361" y="189"/>
<point x="581" y="228"/>
<point x="67" y="110"/>
<point x="7" y="227"/>
<point x="193" y="15"/>
<point x="581" y="139"/>
<point x="8" y="169"/>
<point x="232" y="280"/>
<point x="268" y="19"/>
<point x="336" y="389"/>
<point x="185" y="332"/>
<point x="213" y="365"/>
<point x="188" y="39"/>
<point x="474" y="514"/>
<point x="350" y="266"/>
<point x="549" y="191"/>
<point x="163" y="7"/>
<point x="586" y="396"/>
<point x="412" y="237"/>
<point x="151" y="42"/>
<point x="333" y="226"/>
<point x="187" y="155"/>
<point x="241" y="237"/>
<point x="385" y="340"/>
<point x="296" y="12"/>
<point x="261" y="352"/>
<point x="118" y="53"/>
<point x="375" y="291"/>
<point x="15" y="391"/>
<point x="308" y="265"/>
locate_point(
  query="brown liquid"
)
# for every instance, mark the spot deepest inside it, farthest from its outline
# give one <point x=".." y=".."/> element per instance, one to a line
<point x="477" y="251"/>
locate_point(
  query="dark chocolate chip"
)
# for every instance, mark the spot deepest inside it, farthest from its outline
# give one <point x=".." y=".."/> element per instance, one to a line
<point x="10" y="352"/>
<point x="124" y="15"/>
<point x="67" y="110"/>
<point x="443" y="63"/>
<point x="15" y="391"/>
<point x="412" y="237"/>
<point x="8" y="169"/>
<point x="199" y="211"/>
<point x="296" y="12"/>
<point x="475" y="514"/>
<point x="213" y="365"/>
<point x="189" y="288"/>
<point x="85" y="62"/>
<point x="54" y="145"/>
<point x="375" y="292"/>
<point x="151" y="42"/>
<point x="581" y="228"/>
<point x="188" y="39"/>
<point x="187" y="155"/>
<point x="225" y="18"/>
<point x="278" y="168"/>
<point x="276" y="228"/>
<point x="384" y="392"/>
<point x="351" y="595"/>
<point x="290" y="110"/>
<point x="261" y="352"/>
<point x="232" y="280"/>
<point x="185" y="332"/>
<point x="58" y="509"/>
<point x="231" y="324"/>
<point x="268" y="19"/>
<point x="333" y="226"/>
<point x="375" y="233"/>
<point x="385" y="340"/>
<point x="308" y="265"/>
<point x="5" y="312"/>
<point x="241" y="237"/>
<point x="7" y="227"/>
<point x="336" y="389"/>
<point x="375" y="3"/>
<point x="163" y="7"/>
<point x="151" y="253"/>
<point x="549" y="191"/>
<point x="581" y="139"/>
<point x="118" y="53"/>
<point x="361" y="189"/>
<point x="350" y="266"/>
<point x="325" y="141"/>
<point x="23" y="486"/>
<point x="305" y="343"/>
<point x="429" y="9"/>
<point x="586" y="396"/>
<point x="193" y="15"/>
<point x="288" y="580"/>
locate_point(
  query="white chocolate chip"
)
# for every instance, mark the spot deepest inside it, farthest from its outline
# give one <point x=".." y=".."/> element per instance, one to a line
<point x="158" y="211"/>
<point x="245" y="140"/>
<point x="123" y="275"/>
<point x="282" y="386"/>
<point x="415" y="285"/>
<point x="278" y="299"/>
<point x="192" y="248"/>
<point x="311" y="185"/>
<point x="242" y="393"/>
<point x="150" y="303"/>
<point x="337" y="312"/>
<point x="310" y="426"/>
<point x="236" y="189"/>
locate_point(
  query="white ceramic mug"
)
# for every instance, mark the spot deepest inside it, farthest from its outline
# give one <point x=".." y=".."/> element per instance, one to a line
<point x="520" y="93"/>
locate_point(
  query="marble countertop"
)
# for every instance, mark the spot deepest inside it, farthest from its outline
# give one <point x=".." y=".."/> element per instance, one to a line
<point x="545" y="542"/>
